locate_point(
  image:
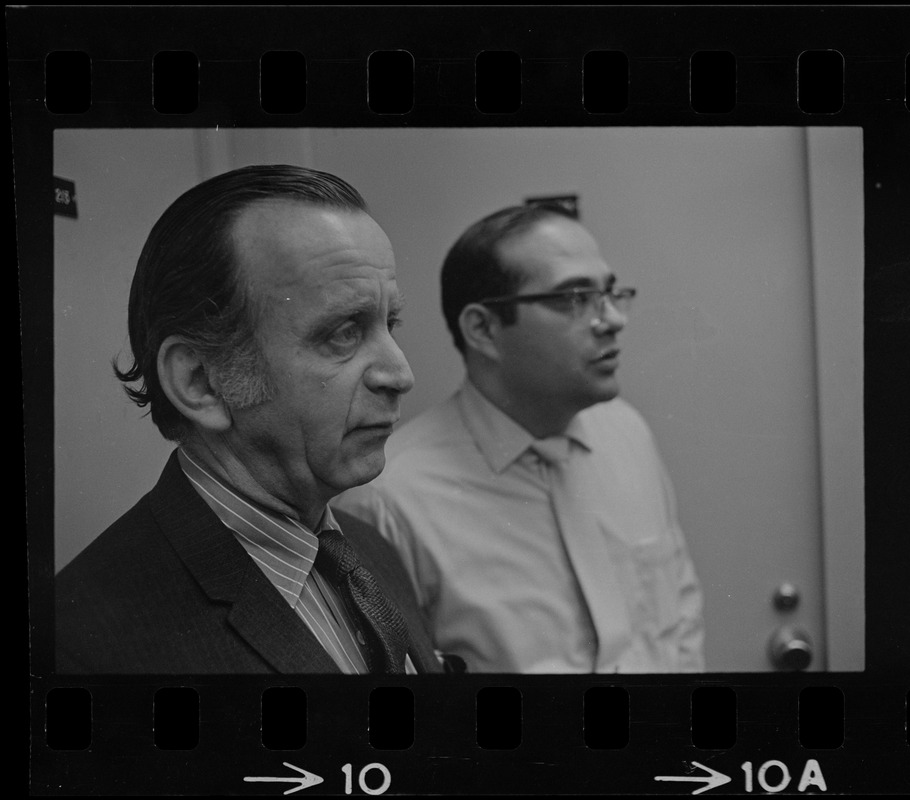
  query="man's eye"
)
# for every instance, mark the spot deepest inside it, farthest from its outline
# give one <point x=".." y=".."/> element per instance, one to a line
<point x="346" y="335"/>
<point x="580" y="298"/>
<point x="394" y="322"/>
<point x="563" y="302"/>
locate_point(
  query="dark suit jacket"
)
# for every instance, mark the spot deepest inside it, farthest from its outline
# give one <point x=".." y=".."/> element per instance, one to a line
<point x="167" y="589"/>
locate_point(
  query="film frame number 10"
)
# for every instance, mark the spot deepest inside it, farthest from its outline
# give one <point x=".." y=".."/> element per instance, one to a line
<point x="383" y="787"/>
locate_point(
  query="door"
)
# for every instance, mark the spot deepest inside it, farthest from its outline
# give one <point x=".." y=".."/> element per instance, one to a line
<point x="722" y="347"/>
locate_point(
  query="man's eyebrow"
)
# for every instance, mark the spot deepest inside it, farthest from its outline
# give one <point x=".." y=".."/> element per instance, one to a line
<point x="583" y="283"/>
<point x="341" y="308"/>
<point x="396" y="304"/>
<point x="348" y="305"/>
<point x="338" y="309"/>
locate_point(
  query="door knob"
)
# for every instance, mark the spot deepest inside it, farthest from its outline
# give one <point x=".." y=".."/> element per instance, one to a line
<point x="790" y="649"/>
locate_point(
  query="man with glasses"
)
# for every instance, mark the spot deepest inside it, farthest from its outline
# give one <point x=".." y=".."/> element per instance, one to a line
<point x="531" y="508"/>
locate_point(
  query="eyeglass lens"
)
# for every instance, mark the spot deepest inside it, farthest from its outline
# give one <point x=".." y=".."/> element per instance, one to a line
<point x="596" y="302"/>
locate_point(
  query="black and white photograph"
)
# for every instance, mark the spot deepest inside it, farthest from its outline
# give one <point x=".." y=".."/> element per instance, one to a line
<point x="464" y="400"/>
<point x="725" y="399"/>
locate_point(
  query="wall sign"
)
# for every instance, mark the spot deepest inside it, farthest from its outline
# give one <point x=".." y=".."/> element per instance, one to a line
<point x="568" y="201"/>
<point x="64" y="197"/>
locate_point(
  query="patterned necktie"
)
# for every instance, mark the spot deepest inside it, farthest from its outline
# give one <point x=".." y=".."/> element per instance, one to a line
<point x="364" y="601"/>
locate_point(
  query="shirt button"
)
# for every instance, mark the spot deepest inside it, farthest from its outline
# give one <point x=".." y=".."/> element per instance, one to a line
<point x="361" y="639"/>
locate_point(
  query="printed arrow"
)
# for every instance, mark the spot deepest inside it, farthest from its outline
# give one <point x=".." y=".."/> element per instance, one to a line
<point x="712" y="780"/>
<point x="305" y="780"/>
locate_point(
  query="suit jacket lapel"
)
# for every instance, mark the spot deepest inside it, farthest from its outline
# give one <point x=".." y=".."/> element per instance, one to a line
<point x="227" y="574"/>
<point x="269" y="625"/>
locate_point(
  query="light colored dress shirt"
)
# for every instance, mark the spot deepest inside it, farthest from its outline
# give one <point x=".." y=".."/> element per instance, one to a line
<point x="514" y="580"/>
<point x="285" y="550"/>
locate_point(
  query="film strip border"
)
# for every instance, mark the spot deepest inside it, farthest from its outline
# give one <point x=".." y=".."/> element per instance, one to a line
<point x="490" y="66"/>
<point x="483" y="735"/>
<point x="717" y="81"/>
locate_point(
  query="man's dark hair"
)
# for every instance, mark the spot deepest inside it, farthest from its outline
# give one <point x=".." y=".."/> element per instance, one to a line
<point x="473" y="271"/>
<point x="187" y="283"/>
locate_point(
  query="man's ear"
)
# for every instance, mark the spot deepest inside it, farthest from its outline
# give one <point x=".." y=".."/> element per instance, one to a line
<point x="185" y="382"/>
<point x="479" y="326"/>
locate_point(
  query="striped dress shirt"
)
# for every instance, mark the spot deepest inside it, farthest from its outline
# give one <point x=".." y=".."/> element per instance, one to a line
<point x="285" y="550"/>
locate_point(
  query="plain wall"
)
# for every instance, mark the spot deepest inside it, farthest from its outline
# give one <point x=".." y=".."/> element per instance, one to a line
<point x="106" y="455"/>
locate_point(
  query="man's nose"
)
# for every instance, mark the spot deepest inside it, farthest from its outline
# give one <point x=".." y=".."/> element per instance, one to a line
<point x="390" y="371"/>
<point x="608" y="318"/>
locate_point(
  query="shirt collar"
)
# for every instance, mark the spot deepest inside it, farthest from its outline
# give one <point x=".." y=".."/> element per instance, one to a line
<point x="278" y="533"/>
<point x="500" y="439"/>
<point x="578" y="431"/>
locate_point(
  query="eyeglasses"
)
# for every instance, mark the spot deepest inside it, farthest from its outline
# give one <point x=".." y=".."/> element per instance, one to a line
<point x="576" y="303"/>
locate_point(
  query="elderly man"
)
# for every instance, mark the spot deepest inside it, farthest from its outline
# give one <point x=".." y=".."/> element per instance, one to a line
<point x="260" y="318"/>
<point x="532" y="509"/>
